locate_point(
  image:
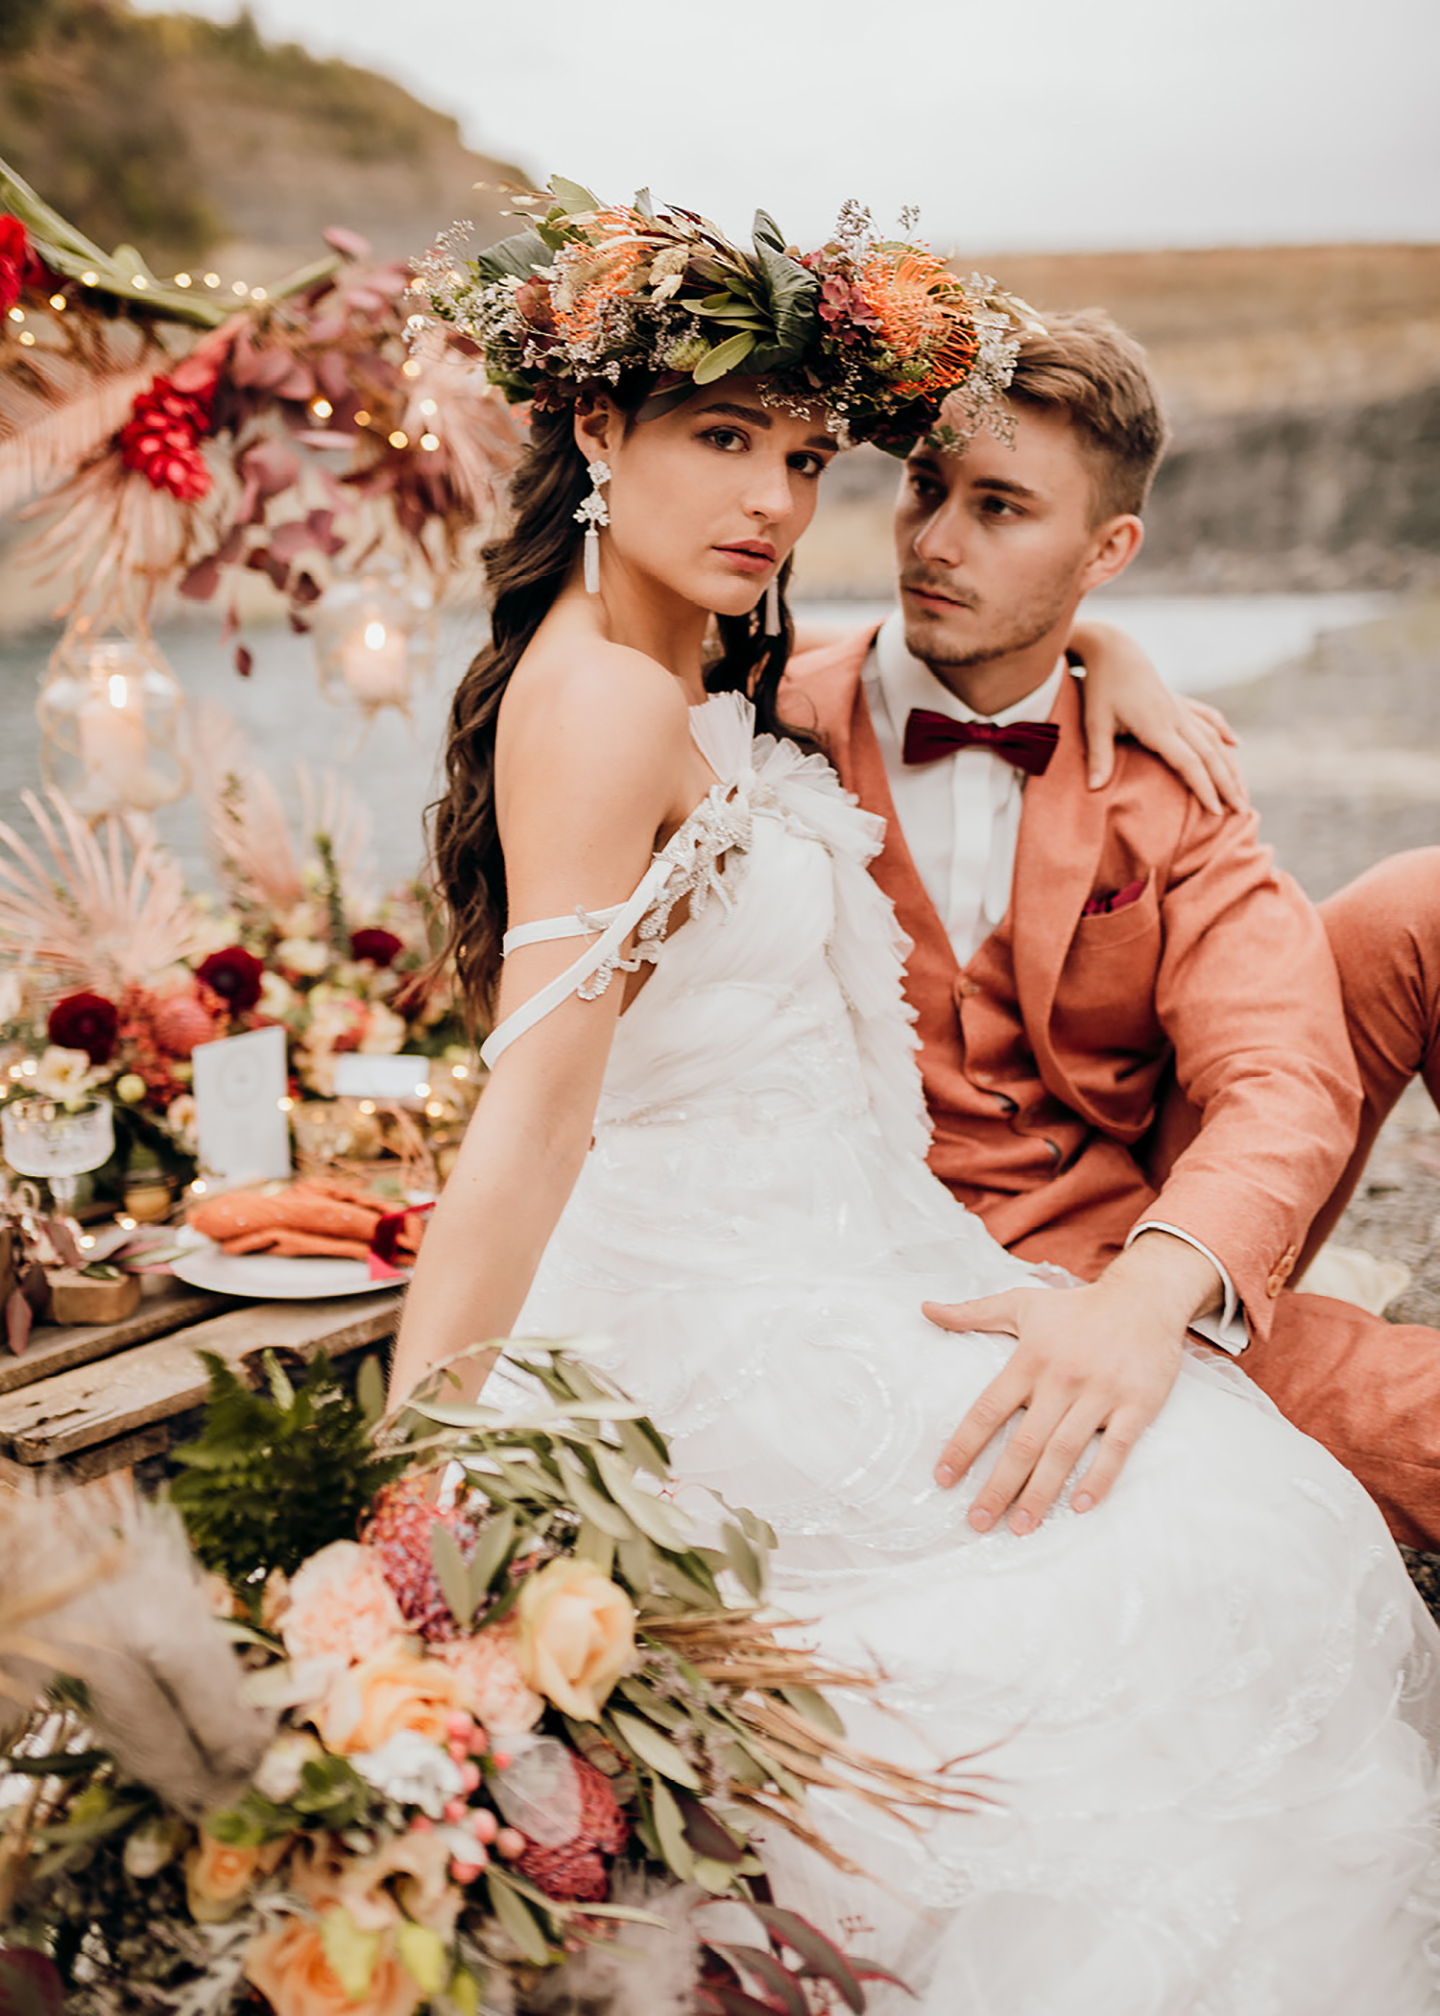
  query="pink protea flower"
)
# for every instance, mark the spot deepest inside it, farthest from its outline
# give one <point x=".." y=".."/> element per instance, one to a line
<point x="399" y="1529"/>
<point x="181" y="1023"/>
<point x="576" y="1869"/>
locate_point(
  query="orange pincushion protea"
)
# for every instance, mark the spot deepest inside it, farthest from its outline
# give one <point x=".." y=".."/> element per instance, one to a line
<point x="607" y="274"/>
<point x="923" y="314"/>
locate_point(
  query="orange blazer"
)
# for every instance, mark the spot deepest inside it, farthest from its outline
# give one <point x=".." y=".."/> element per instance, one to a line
<point x="1200" y="1027"/>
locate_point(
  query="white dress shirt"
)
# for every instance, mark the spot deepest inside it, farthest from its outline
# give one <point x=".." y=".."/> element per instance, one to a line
<point x="961" y="819"/>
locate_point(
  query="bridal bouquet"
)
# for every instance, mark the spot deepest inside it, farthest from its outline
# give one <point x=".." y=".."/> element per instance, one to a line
<point x="349" y="1739"/>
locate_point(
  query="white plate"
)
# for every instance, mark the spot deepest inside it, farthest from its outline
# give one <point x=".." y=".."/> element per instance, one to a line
<point x="267" y="1277"/>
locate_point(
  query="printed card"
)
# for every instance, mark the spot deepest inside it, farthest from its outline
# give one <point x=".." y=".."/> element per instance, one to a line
<point x="393" y="1078"/>
<point x="243" y="1129"/>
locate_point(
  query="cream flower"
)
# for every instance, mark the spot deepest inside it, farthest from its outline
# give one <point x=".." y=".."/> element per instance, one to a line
<point x="303" y="955"/>
<point x="63" y="1074"/>
<point x="277" y="997"/>
<point x="384" y="1031"/>
<point x="577" y="1635"/>
<point x="180" y="1117"/>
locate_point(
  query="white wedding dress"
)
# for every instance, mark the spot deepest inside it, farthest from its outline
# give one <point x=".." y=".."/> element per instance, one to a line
<point x="1208" y="1708"/>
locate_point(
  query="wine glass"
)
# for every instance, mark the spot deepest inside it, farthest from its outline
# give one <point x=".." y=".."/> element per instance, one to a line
<point x="44" y="1137"/>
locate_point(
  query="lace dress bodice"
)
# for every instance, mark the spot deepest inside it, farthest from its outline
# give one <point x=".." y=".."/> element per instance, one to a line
<point x="782" y="991"/>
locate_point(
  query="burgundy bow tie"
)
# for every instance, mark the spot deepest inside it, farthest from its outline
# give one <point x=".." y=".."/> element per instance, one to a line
<point x="1029" y="745"/>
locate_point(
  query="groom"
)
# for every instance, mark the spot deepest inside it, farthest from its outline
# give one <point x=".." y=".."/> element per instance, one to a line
<point x="1147" y="1057"/>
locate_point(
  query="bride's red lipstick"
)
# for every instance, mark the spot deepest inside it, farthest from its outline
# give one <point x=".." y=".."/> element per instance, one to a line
<point x="751" y="556"/>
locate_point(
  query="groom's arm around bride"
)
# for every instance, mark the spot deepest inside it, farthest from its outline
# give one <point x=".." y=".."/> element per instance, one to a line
<point x="1131" y="1022"/>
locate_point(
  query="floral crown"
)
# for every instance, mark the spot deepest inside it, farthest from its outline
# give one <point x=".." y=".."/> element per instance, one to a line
<point x="878" y="331"/>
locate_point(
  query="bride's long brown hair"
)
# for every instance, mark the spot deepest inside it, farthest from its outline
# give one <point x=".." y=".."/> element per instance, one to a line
<point x="526" y="567"/>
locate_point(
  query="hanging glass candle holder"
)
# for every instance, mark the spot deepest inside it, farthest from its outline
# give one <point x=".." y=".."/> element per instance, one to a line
<point x="374" y="639"/>
<point x="111" y="714"/>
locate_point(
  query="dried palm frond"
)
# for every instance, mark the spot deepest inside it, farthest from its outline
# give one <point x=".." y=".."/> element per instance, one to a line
<point x="739" y="1652"/>
<point x="478" y="434"/>
<point x="101" y="913"/>
<point x="252" y="848"/>
<point x="121" y="1606"/>
<point x="64" y="398"/>
<point x="116" y="534"/>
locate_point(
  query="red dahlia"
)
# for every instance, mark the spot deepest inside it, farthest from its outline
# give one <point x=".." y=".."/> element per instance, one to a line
<point x="19" y="268"/>
<point x="160" y="440"/>
<point x="234" y="974"/>
<point x="85" y="1022"/>
<point x="381" y="948"/>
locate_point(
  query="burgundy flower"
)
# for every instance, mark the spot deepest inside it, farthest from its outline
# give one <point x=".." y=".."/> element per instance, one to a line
<point x="381" y="948"/>
<point x="85" y="1022"/>
<point x="234" y="975"/>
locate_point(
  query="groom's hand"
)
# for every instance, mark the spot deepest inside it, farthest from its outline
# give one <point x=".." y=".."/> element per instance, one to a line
<point x="1097" y="1360"/>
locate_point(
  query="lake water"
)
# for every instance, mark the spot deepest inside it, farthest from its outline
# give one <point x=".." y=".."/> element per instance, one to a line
<point x="1199" y="642"/>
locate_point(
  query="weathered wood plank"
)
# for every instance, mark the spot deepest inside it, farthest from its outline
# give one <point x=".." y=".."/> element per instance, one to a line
<point x="98" y="1403"/>
<point x="53" y="1350"/>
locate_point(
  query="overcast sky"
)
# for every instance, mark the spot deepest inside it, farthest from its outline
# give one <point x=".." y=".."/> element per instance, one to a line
<point x="1015" y="124"/>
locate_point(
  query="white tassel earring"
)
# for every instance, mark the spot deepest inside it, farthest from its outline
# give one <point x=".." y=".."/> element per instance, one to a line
<point x="772" y="608"/>
<point x="592" y="514"/>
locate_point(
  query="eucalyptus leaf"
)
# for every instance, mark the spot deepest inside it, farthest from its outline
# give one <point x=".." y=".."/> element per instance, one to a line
<point x="517" y="1917"/>
<point x="645" y="1741"/>
<point x="810" y="1703"/>
<point x="572" y="197"/>
<point x="595" y="1546"/>
<point x="492" y="1550"/>
<point x="451" y="1573"/>
<point x="662" y="1523"/>
<point x="724" y="358"/>
<point x="667" y="1713"/>
<point x="671" y="1831"/>
<point x="593" y="1504"/>
<point x="716" y="1877"/>
<point x="744" y="1560"/>
<point x="370" y="1390"/>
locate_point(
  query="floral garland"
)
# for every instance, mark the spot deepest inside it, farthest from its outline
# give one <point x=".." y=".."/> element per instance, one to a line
<point x="274" y="438"/>
<point x="878" y="331"/>
<point x="446" y="1758"/>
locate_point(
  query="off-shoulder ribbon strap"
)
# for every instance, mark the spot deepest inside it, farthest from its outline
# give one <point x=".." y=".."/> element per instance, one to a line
<point x="618" y="923"/>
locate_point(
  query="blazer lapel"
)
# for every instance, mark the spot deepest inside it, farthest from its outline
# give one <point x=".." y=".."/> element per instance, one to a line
<point x="1057" y="856"/>
<point x="894" y="867"/>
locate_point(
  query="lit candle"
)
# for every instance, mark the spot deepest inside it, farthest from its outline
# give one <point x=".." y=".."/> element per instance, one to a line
<point x="114" y="748"/>
<point x="376" y="665"/>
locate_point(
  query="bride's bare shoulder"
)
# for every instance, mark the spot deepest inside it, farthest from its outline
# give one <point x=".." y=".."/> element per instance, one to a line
<point x="598" y="697"/>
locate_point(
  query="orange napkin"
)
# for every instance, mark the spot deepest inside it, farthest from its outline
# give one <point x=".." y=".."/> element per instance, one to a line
<point x="316" y="1217"/>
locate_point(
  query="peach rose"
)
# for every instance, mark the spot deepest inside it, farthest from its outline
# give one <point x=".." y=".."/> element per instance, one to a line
<point x="494" y="1687"/>
<point x="576" y="1636"/>
<point x="366" y="1705"/>
<point x="292" y="1969"/>
<point x="340" y="1606"/>
<point x="217" y="1876"/>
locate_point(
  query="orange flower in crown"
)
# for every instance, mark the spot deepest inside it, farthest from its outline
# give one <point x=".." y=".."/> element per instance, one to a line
<point x="877" y="332"/>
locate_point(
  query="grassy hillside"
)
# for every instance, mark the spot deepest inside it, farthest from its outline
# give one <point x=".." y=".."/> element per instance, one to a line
<point x="189" y="138"/>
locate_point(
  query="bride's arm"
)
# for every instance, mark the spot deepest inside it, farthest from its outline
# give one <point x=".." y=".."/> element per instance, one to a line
<point x="587" y="783"/>
<point x="1125" y="695"/>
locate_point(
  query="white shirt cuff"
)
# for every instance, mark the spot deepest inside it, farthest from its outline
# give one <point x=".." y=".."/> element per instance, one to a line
<point x="1225" y="1327"/>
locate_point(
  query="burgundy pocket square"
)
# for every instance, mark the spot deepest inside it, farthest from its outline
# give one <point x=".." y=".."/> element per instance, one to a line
<point x="1106" y="904"/>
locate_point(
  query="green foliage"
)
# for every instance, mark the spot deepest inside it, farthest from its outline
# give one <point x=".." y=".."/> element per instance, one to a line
<point x="274" y="1476"/>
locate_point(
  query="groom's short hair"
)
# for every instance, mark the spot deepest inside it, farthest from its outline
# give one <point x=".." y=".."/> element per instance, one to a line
<point x="1086" y="367"/>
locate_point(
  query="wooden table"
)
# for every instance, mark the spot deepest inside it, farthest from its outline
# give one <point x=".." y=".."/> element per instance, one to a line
<point x="89" y="1402"/>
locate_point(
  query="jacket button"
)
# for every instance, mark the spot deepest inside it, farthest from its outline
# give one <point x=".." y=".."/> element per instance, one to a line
<point x="1281" y="1271"/>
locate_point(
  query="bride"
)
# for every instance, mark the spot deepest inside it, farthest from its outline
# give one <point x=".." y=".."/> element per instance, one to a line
<point x="1209" y="1703"/>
